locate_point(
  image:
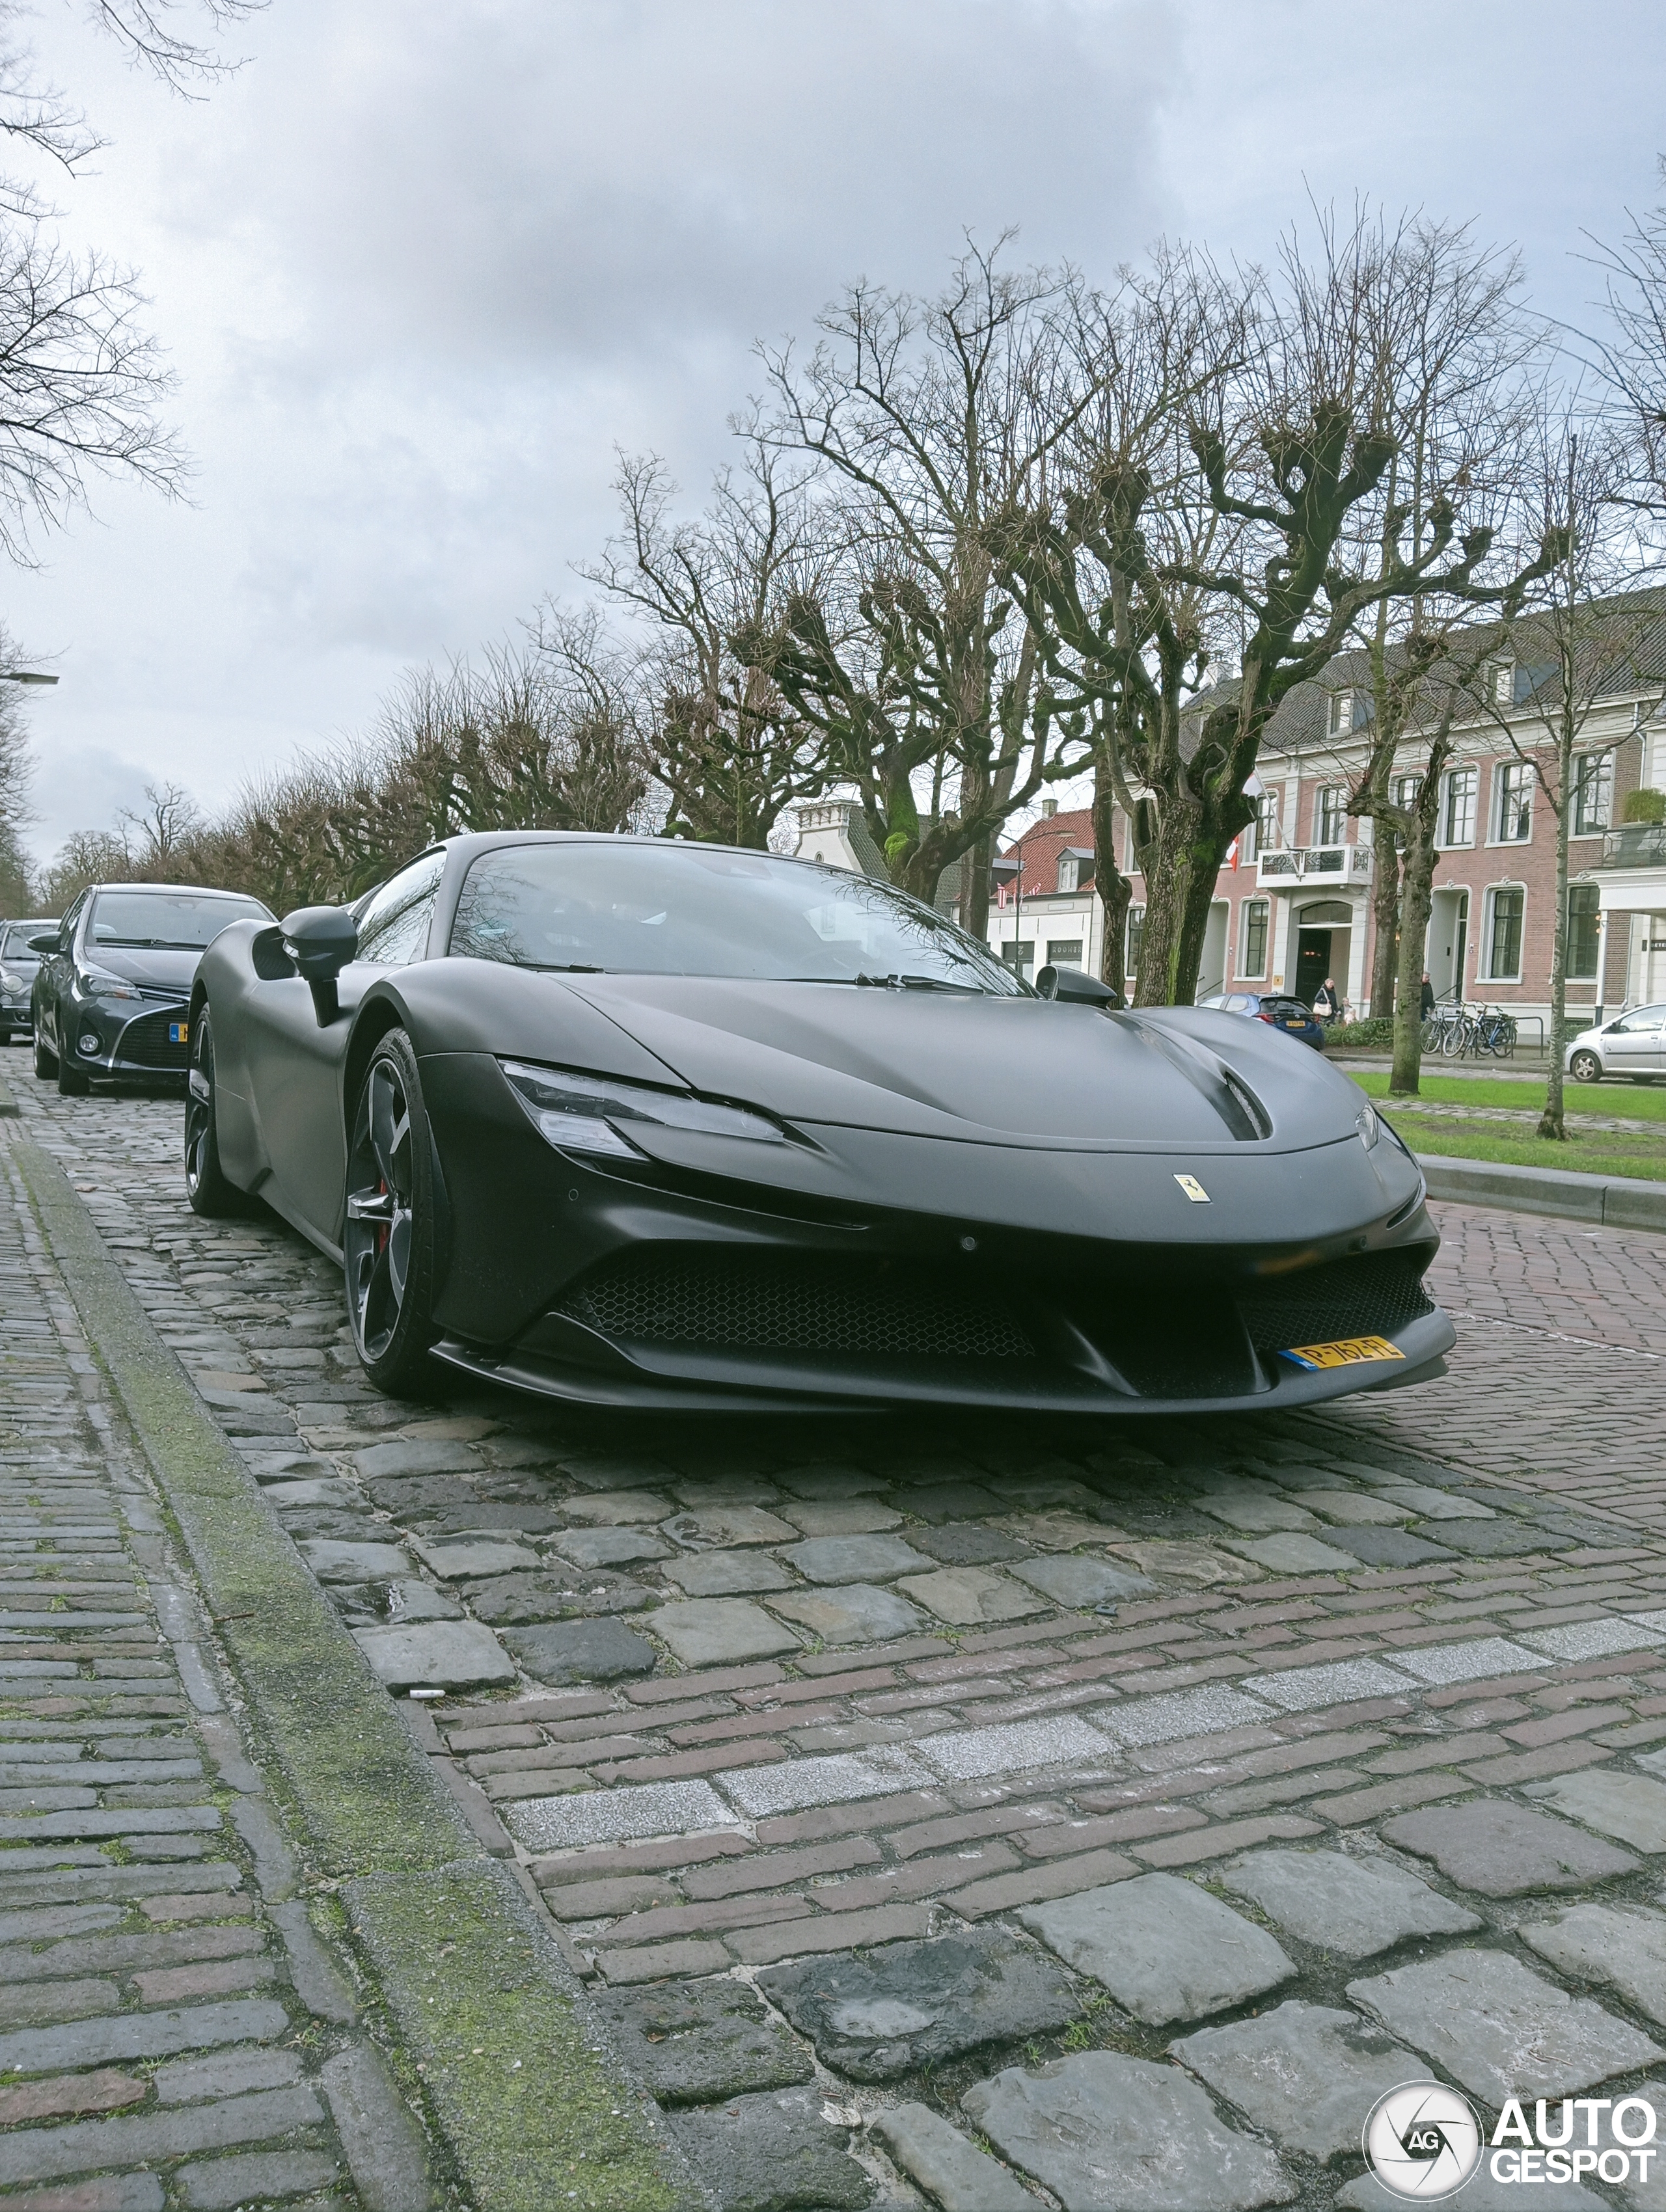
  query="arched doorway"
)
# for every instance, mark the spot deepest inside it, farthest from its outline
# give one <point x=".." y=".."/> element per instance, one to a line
<point x="1323" y="941"/>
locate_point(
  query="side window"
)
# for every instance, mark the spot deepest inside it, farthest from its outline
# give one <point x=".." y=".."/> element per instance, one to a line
<point x="393" y="922"/>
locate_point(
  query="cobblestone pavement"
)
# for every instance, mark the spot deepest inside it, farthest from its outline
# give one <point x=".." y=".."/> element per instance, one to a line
<point x="993" y="1813"/>
<point x="170" y="2019"/>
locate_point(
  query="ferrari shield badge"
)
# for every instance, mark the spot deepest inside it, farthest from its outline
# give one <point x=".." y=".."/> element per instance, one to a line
<point x="1193" y="1189"/>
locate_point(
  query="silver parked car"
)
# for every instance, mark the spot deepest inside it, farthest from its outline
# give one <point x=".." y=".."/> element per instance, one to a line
<point x="1633" y="1044"/>
<point x="18" y="962"/>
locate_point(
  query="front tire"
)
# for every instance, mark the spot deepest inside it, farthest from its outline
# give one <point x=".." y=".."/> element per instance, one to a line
<point x="72" y="1082"/>
<point x="1585" y="1067"/>
<point x="210" y="1189"/>
<point x="46" y="1062"/>
<point x="387" y="1240"/>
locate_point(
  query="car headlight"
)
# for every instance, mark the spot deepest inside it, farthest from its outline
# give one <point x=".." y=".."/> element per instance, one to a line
<point x="583" y="1112"/>
<point x="10" y="980"/>
<point x="100" y="983"/>
<point x="1369" y="1126"/>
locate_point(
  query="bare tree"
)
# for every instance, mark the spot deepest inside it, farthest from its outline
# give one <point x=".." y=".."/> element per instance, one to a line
<point x="725" y="745"/>
<point x="928" y="416"/>
<point x="1586" y="639"/>
<point x="81" y="382"/>
<point x="88" y="856"/>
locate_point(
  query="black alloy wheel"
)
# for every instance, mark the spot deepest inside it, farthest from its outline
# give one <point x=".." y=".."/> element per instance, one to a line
<point x="45" y="1059"/>
<point x="388" y="1240"/>
<point x="211" y="1192"/>
<point x="1585" y="1067"/>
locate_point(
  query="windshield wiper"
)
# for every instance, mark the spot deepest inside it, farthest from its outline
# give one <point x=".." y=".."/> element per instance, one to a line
<point x="148" y="944"/>
<point x="893" y="982"/>
<point x="562" y="967"/>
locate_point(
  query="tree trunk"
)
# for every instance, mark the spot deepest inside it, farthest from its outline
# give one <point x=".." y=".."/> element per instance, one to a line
<point x="974" y="889"/>
<point x="1551" y="1122"/>
<point x="1170" y="864"/>
<point x="1114" y="889"/>
<point x="1417" y="902"/>
<point x="1386" y="895"/>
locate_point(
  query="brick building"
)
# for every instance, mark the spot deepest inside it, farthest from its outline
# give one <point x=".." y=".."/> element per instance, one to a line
<point x="1293" y="904"/>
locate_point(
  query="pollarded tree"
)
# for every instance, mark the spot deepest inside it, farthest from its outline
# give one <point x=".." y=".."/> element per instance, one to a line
<point x="913" y="662"/>
<point x="1285" y="390"/>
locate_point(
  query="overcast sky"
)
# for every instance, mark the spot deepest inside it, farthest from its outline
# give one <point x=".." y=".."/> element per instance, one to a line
<point x="423" y="264"/>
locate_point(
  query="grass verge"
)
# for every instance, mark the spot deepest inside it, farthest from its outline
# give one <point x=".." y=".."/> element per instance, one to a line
<point x="1629" y="1102"/>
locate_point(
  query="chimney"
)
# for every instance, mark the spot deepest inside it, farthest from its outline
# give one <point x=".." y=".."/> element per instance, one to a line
<point x="1049" y="808"/>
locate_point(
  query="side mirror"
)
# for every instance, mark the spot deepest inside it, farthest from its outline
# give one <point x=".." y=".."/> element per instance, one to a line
<point x="320" y="940"/>
<point x="45" y="944"/>
<point x="1076" y="986"/>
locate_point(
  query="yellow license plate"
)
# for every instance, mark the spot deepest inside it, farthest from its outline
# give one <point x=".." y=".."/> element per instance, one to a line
<point x="1351" y="1352"/>
<point x="179" y="1032"/>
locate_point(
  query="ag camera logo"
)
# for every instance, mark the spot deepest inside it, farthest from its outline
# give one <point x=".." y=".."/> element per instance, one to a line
<point x="1423" y="2141"/>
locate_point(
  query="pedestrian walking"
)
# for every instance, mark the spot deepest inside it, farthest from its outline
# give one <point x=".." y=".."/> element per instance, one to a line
<point x="1426" y="1003"/>
<point x="1326" y="1002"/>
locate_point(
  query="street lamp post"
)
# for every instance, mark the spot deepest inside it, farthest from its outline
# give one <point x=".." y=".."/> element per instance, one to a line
<point x="25" y="676"/>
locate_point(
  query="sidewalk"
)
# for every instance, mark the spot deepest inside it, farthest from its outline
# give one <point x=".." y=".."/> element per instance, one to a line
<point x="215" y="1951"/>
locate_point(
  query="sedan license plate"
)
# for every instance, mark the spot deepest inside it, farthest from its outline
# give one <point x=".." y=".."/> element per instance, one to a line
<point x="1289" y="1025"/>
<point x="1351" y="1352"/>
<point x="179" y="1032"/>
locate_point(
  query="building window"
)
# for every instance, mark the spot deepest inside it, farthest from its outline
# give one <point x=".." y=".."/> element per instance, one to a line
<point x="1503" y="935"/>
<point x="1593" y="792"/>
<point x="1067" y="867"/>
<point x="1330" y="817"/>
<point x="1341" y="713"/>
<point x="1583" y="935"/>
<point x="1503" y="675"/>
<point x="1253" y="960"/>
<point x="1136" y="939"/>
<point x="1459" y="824"/>
<point x="1264" y="836"/>
<point x="1512" y="781"/>
<point x="1019" y="956"/>
<point x="1064" y="951"/>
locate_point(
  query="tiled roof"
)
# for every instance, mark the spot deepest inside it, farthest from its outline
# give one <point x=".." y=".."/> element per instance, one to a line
<point x="1044" y="844"/>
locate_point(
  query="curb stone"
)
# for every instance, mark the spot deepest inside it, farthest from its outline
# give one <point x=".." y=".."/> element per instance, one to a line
<point x="1614" y="1201"/>
<point x="442" y="1926"/>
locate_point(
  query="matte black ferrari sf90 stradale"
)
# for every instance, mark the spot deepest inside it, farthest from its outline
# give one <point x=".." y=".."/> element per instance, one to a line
<point x="636" y="1122"/>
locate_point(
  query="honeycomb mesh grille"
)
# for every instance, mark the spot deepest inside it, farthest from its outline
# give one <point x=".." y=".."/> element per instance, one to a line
<point x="145" y="1042"/>
<point x="750" y="1302"/>
<point x="1370" y="1297"/>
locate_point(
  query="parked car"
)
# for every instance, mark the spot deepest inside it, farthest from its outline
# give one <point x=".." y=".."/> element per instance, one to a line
<point x="1633" y="1044"/>
<point x="111" y="994"/>
<point x="629" y="1122"/>
<point x="18" y="963"/>
<point x="1294" y="1016"/>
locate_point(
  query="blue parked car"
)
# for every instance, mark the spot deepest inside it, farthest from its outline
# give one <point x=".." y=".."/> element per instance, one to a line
<point x="1283" y="1012"/>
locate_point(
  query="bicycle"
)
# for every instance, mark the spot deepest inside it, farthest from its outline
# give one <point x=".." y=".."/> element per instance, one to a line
<point x="1497" y="1033"/>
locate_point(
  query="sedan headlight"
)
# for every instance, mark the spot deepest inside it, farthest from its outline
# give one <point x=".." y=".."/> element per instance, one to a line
<point x="583" y="1112"/>
<point x="10" y="980"/>
<point x="1369" y="1126"/>
<point x="100" y="983"/>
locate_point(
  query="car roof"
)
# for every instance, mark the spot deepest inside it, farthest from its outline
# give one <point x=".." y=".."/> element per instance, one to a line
<point x="175" y="891"/>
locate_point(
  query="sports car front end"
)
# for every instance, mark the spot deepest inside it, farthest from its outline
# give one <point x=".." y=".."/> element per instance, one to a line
<point x="1151" y="1211"/>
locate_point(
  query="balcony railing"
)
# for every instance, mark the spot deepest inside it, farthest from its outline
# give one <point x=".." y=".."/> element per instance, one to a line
<point x="1313" y="864"/>
<point x="1641" y="845"/>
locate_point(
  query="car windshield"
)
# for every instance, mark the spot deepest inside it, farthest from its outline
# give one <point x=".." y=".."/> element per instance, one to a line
<point x="184" y="921"/>
<point x="670" y="909"/>
<point x="15" y="939"/>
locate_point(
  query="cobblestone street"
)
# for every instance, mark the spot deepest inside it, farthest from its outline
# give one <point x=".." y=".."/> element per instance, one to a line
<point x="980" y="1814"/>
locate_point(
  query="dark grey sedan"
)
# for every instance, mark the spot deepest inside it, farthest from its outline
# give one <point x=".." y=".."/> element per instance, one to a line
<point x="18" y="963"/>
